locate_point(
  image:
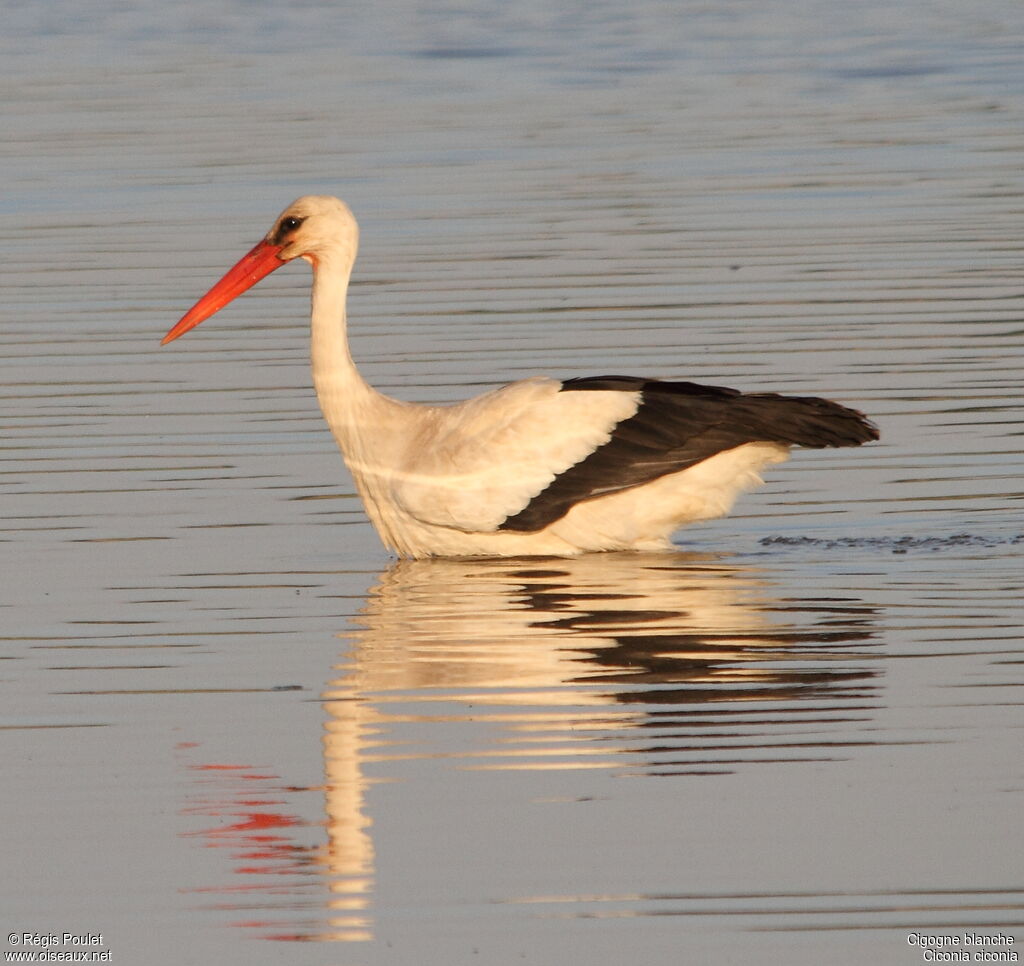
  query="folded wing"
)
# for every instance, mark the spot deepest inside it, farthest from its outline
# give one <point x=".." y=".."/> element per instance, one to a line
<point x="520" y="458"/>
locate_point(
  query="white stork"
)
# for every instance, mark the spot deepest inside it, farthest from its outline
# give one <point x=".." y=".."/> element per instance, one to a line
<point x="541" y="466"/>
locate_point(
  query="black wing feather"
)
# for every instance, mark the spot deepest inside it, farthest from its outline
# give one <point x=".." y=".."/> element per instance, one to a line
<point x="679" y="424"/>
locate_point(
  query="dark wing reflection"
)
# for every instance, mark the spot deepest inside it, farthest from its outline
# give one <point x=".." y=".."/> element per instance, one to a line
<point x="715" y="630"/>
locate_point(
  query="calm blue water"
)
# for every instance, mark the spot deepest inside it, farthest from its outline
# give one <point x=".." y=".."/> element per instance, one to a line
<point x="236" y="731"/>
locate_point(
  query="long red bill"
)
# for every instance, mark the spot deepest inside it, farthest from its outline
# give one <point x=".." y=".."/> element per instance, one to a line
<point x="250" y="268"/>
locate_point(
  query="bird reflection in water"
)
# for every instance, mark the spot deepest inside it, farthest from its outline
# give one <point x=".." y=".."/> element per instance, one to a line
<point x="642" y="664"/>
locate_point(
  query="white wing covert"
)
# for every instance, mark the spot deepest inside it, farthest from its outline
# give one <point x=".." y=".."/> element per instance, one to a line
<point x="472" y="465"/>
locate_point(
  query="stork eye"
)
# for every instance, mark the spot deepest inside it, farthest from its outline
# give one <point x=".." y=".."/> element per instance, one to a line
<point x="291" y="223"/>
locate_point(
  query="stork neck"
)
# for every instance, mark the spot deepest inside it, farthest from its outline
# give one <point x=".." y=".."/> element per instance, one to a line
<point x="331" y="357"/>
<point x="349" y="403"/>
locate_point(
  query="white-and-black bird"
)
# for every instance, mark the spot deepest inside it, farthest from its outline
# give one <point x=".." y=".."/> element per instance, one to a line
<point x="541" y="466"/>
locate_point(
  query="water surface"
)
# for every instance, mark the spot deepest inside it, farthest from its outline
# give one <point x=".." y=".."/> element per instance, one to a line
<point x="235" y="730"/>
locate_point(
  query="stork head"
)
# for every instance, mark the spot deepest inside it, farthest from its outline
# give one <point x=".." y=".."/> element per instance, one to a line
<point x="315" y="227"/>
<point x="318" y="228"/>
